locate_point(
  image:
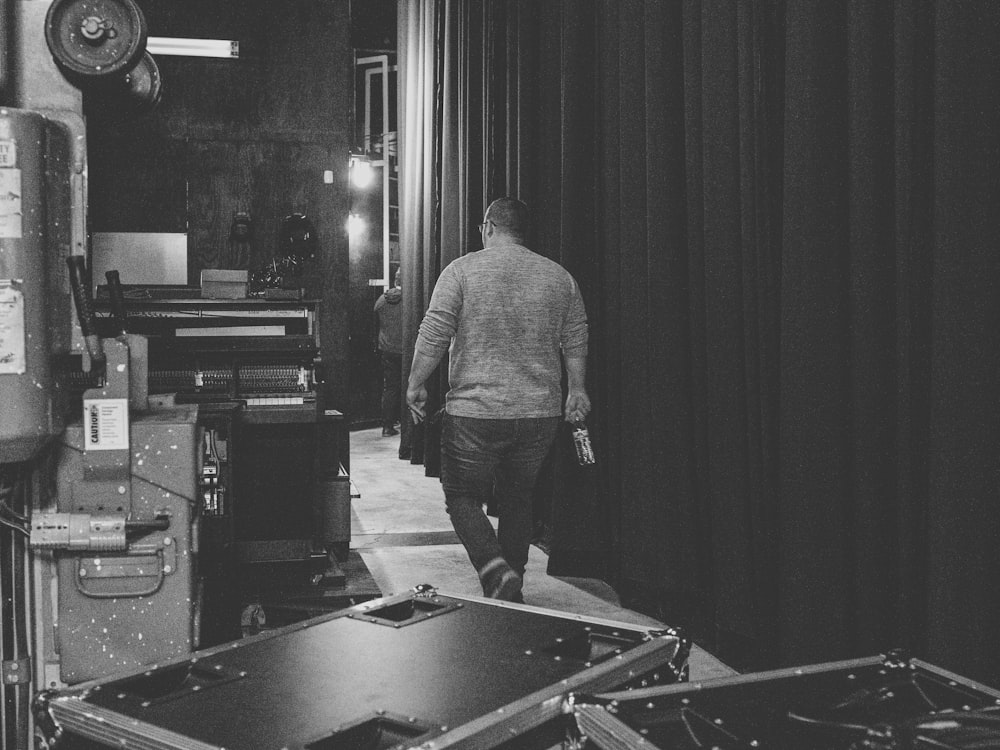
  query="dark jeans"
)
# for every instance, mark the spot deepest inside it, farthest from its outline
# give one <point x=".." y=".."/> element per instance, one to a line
<point x="498" y="458"/>
<point x="392" y="385"/>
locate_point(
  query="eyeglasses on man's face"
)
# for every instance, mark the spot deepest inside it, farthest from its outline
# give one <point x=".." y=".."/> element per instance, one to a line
<point x="483" y="224"/>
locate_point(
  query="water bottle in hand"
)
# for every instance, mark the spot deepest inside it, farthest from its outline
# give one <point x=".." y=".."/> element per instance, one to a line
<point x="581" y="439"/>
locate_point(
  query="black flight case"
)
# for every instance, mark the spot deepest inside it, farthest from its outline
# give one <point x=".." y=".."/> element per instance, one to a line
<point x="878" y="703"/>
<point x="421" y="669"/>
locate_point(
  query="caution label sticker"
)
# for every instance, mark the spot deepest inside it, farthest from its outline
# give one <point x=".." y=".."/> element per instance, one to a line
<point x="105" y="424"/>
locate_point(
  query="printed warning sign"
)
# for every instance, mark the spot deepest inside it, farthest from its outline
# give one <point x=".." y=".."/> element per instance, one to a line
<point x="8" y="152"/>
<point x="105" y="422"/>
<point x="10" y="203"/>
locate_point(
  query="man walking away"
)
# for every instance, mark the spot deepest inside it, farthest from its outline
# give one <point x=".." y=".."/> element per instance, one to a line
<point x="511" y="320"/>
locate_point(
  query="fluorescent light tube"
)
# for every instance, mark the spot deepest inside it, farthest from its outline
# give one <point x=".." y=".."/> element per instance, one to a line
<point x="162" y="45"/>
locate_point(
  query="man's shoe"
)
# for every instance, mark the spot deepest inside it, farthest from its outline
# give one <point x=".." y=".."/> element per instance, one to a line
<point x="500" y="581"/>
<point x="389" y="431"/>
<point x="509" y="588"/>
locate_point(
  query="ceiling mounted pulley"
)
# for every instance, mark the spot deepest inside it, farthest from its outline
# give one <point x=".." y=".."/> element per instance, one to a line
<point x="94" y="38"/>
<point x="143" y="85"/>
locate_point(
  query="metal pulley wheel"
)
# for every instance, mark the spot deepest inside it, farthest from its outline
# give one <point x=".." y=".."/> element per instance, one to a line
<point x="96" y="37"/>
<point x="143" y="84"/>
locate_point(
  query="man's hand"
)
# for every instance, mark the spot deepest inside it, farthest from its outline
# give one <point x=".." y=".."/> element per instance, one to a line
<point x="416" y="392"/>
<point x="577" y="406"/>
<point x="416" y="400"/>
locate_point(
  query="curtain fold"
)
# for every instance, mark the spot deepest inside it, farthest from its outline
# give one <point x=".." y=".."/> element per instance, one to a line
<point x="913" y="189"/>
<point x="962" y="512"/>
<point x="417" y="94"/>
<point x="436" y="147"/>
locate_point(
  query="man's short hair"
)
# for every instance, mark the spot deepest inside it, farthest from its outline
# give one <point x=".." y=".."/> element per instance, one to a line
<point x="511" y="215"/>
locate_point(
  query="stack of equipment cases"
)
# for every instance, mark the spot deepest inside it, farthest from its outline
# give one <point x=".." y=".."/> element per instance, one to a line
<point x="421" y="669"/>
<point x="877" y="703"/>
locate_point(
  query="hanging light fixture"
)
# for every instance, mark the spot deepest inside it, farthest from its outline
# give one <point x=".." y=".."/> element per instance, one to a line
<point x="356" y="226"/>
<point x="362" y="172"/>
<point x="161" y="45"/>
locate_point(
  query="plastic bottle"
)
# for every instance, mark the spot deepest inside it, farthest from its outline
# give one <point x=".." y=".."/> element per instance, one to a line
<point x="581" y="439"/>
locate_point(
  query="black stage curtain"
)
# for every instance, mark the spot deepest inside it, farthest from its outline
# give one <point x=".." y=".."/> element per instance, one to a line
<point x="443" y="137"/>
<point x="783" y="218"/>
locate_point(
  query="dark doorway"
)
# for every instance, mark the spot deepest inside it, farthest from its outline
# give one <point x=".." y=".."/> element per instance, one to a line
<point x="373" y="225"/>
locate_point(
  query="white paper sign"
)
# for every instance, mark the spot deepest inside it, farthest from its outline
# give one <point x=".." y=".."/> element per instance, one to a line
<point x="12" y="340"/>
<point x="10" y="203"/>
<point x="105" y="424"/>
<point x="8" y="152"/>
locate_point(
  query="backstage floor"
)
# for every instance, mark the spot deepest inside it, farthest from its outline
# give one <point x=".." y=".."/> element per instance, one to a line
<point x="402" y="533"/>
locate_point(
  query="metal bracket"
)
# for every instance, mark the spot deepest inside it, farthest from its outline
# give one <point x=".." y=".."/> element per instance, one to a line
<point x="897" y="659"/>
<point x="382" y="724"/>
<point x="679" y="665"/>
<point x="406" y="612"/>
<point x="17" y="671"/>
<point x="107" y="461"/>
<point x="425" y="589"/>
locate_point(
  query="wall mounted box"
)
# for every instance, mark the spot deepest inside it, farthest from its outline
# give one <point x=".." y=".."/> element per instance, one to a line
<point x="118" y="610"/>
<point x="420" y="669"/>
<point x="224" y="284"/>
<point x="877" y="702"/>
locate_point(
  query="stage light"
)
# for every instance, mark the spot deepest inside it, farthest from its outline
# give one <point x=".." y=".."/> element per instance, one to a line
<point x="356" y="226"/>
<point x="362" y="172"/>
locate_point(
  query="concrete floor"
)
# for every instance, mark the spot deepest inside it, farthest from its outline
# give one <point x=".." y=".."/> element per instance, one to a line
<point x="402" y="532"/>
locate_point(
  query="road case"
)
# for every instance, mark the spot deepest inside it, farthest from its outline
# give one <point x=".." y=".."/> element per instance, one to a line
<point x="878" y="703"/>
<point x="421" y="669"/>
<point x="123" y="600"/>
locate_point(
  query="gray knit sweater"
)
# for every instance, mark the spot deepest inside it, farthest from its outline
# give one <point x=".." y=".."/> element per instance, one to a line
<point x="507" y="314"/>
